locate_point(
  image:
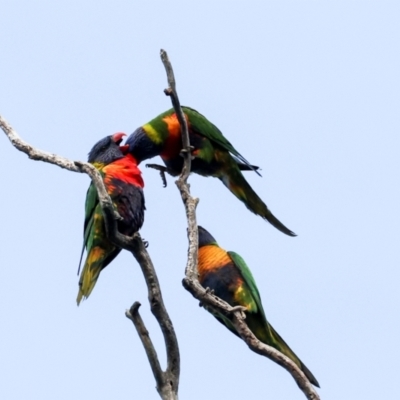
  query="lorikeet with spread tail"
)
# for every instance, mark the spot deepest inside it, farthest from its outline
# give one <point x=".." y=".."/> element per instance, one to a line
<point x="213" y="155"/>
<point x="227" y="274"/>
<point x="124" y="183"/>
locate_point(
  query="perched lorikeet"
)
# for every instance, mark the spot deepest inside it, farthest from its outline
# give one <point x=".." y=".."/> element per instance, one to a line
<point x="124" y="183"/>
<point x="214" y="156"/>
<point x="227" y="274"/>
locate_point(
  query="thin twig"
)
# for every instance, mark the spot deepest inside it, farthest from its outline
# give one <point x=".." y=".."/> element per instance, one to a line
<point x="171" y="91"/>
<point x="134" y="316"/>
<point x="168" y="386"/>
<point x="184" y="187"/>
<point x="191" y="282"/>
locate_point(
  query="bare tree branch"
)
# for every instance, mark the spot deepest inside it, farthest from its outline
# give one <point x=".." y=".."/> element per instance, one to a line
<point x="168" y="381"/>
<point x="168" y="389"/>
<point x="134" y="316"/>
<point x="171" y="91"/>
<point x="191" y="282"/>
<point x="77" y="166"/>
<point x="190" y="203"/>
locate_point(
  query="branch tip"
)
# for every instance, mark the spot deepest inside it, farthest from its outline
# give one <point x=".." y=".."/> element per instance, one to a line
<point x="135" y="307"/>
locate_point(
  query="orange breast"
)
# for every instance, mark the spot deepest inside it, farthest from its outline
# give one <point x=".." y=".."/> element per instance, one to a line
<point x="173" y="143"/>
<point x="211" y="258"/>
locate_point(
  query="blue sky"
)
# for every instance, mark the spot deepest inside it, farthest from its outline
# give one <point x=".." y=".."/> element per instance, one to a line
<point x="308" y="90"/>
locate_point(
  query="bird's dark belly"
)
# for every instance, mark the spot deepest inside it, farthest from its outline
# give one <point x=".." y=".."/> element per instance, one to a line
<point x="201" y="146"/>
<point x="199" y="166"/>
<point x="130" y="205"/>
<point x="224" y="282"/>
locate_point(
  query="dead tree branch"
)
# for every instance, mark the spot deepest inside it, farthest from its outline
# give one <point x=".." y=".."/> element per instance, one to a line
<point x="134" y="316"/>
<point x="167" y="381"/>
<point x="191" y="282"/>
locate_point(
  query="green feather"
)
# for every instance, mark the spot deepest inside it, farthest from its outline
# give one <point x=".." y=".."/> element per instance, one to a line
<point x="257" y="320"/>
<point x="250" y="282"/>
<point x="201" y="125"/>
<point x="214" y="156"/>
<point x="90" y="205"/>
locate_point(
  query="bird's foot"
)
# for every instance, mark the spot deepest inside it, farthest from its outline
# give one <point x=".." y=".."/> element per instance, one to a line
<point x="137" y="236"/>
<point x="241" y="309"/>
<point x="162" y="171"/>
<point x="209" y="291"/>
<point x="183" y="152"/>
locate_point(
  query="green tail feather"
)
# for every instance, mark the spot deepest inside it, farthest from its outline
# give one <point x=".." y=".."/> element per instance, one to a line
<point x="88" y="279"/>
<point x="281" y="345"/>
<point x="237" y="184"/>
<point x="96" y="261"/>
<point x="268" y="335"/>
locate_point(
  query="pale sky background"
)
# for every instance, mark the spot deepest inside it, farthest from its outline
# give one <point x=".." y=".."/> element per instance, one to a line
<point x="308" y="90"/>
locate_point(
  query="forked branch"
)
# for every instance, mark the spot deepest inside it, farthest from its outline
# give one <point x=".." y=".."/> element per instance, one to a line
<point x="191" y="282"/>
<point x="168" y="380"/>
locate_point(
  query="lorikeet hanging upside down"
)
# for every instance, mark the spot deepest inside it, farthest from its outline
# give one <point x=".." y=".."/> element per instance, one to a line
<point x="213" y="156"/>
<point x="228" y="276"/>
<point x="124" y="183"/>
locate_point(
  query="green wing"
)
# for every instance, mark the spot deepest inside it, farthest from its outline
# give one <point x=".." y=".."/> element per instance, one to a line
<point x="90" y="206"/>
<point x="262" y="329"/>
<point x="202" y="126"/>
<point x="248" y="278"/>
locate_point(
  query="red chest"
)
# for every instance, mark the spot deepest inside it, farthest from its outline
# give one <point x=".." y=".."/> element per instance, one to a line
<point x="124" y="170"/>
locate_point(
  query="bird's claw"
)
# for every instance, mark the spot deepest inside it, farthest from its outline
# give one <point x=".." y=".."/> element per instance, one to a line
<point x="187" y="150"/>
<point x="157" y="167"/>
<point x="241" y="309"/>
<point x="163" y="178"/>
<point x="209" y="291"/>
<point x="162" y="170"/>
<point x="136" y="236"/>
<point x="191" y="148"/>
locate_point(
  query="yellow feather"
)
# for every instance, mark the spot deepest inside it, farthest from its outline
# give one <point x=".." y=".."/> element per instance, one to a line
<point x="91" y="272"/>
<point x="153" y="134"/>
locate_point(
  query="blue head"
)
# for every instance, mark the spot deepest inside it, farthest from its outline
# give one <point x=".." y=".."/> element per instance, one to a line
<point x="107" y="150"/>
<point x="142" y="147"/>
<point x="205" y="237"/>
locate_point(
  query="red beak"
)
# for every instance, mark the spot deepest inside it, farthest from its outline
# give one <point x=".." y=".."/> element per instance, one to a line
<point x="117" y="137"/>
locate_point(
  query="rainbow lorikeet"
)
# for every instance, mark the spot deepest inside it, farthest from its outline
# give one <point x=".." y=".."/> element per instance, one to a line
<point x="213" y="155"/>
<point x="124" y="183"/>
<point x="228" y="276"/>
